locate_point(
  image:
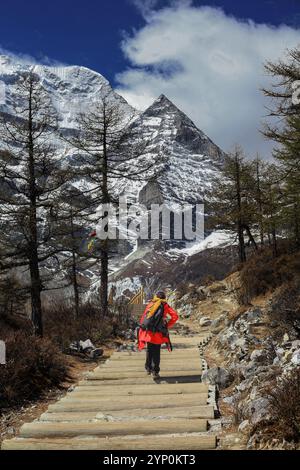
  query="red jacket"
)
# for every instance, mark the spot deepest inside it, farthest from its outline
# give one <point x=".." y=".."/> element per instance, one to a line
<point x="146" y="336"/>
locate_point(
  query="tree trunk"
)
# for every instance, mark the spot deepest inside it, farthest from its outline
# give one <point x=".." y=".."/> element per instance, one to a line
<point x="296" y="228"/>
<point x="259" y="201"/>
<point x="74" y="269"/>
<point x="274" y="242"/>
<point x="36" y="304"/>
<point x="75" y="284"/>
<point x="242" y="251"/>
<point x="36" y="285"/>
<point x="251" y="238"/>
<point x="104" y="278"/>
<point x="104" y="243"/>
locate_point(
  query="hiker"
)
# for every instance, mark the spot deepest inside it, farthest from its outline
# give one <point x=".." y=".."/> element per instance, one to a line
<point x="153" y="331"/>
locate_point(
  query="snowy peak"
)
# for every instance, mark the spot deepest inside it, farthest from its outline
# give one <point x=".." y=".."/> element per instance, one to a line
<point x="161" y="105"/>
<point x="71" y="88"/>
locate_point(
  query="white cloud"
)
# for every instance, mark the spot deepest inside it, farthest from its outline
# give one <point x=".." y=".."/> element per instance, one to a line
<point x="29" y="59"/>
<point x="209" y="64"/>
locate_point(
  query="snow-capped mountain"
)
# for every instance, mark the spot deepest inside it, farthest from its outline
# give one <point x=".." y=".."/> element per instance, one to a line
<point x="189" y="157"/>
<point x="72" y="88"/>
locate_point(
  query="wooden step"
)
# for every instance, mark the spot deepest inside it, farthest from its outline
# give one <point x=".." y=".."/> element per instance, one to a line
<point x="146" y="379"/>
<point x="118" y="403"/>
<point x="206" y="411"/>
<point x="122" y="428"/>
<point x="141" y="367"/>
<point x="164" y="442"/>
<point x="119" y="407"/>
<point x="145" y="390"/>
<point x="102" y="374"/>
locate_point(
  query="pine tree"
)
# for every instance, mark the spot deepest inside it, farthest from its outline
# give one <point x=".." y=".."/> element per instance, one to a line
<point x="30" y="176"/>
<point x="111" y="151"/>
<point x="232" y="202"/>
<point x="285" y="131"/>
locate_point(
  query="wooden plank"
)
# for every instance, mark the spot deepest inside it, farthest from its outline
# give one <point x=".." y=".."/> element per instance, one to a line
<point x="164" y="442"/>
<point x="102" y="429"/>
<point x="102" y="405"/>
<point x="190" y="412"/>
<point x="146" y="379"/>
<point x="145" y="390"/>
<point x="107" y="375"/>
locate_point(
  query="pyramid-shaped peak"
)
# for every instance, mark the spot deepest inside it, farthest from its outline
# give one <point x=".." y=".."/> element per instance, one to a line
<point x="161" y="106"/>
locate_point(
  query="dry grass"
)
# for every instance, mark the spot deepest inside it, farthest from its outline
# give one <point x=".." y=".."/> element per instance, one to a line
<point x="33" y="366"/>
<point x="262" y="272"/>
<point x="284" y="408"/>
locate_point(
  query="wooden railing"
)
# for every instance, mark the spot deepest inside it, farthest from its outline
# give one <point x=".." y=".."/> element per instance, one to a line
<point x="138" y="298"/>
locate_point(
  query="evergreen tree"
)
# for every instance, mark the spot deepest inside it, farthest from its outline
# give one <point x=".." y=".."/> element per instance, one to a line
<point x="30" y="176"/>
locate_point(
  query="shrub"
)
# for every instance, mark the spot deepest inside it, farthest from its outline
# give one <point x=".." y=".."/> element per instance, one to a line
<point x="33" y="366"/>
<point x="263" y="272"/>
<point x="285" y="305"/>
<point x="284" y="399"/>
<point x="61" y="326"/>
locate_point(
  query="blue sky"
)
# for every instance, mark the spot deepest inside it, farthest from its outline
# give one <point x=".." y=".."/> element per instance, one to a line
<point x="206" y="56"/>
<point x="89" y="32"/>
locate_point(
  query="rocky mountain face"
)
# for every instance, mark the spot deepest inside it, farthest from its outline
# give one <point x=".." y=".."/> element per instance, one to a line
<point x="253" y="358"/>
<point x="188" y="157"/>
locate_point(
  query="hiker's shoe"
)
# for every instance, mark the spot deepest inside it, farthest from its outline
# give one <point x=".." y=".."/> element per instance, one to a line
<point x="156" y="375"/>
<point x="149" y="372"/>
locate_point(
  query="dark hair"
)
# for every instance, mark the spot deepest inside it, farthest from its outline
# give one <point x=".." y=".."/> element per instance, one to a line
<point x="161" y="295"/>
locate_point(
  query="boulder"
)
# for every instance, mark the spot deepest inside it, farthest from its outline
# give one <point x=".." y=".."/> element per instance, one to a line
<point x="218" y="376"/>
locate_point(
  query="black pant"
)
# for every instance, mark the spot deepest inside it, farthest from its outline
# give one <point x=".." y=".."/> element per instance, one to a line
<point x="153" y="357"/>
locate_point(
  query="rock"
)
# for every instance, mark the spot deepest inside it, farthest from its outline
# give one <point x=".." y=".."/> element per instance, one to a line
<point x="218" y="376"/>
<point x="259" y="410"/>
<point x="245" y="385"/>
<point x="279" y="352"/>
<point x="215" y="425"/>
<point x="254" y="316"/>
<point x="259" y="356"/>
<point x="95" y="353"/>
<point x="84" y="345"/>
<point x="217" y="321"/>
<point x="249" y="369"/>
<point x="295" y="344"/>
<point x="11" y="431"/>
<point x="287" y="356"/>
<point x="296" y="358"/>
<point x="205" y="321"/>
<point x="231" y="400"/>
<point x="245" y="427"/>
<point x="285" y="338"/>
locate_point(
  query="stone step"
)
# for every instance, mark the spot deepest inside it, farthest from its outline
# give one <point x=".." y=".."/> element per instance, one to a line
<point x="164" y="442"/>
<point x="106" y="429"/>
<point x="205" y="411"/>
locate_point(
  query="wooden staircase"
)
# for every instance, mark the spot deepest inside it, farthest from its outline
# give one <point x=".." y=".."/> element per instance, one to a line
<point x="118" y="406"/>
